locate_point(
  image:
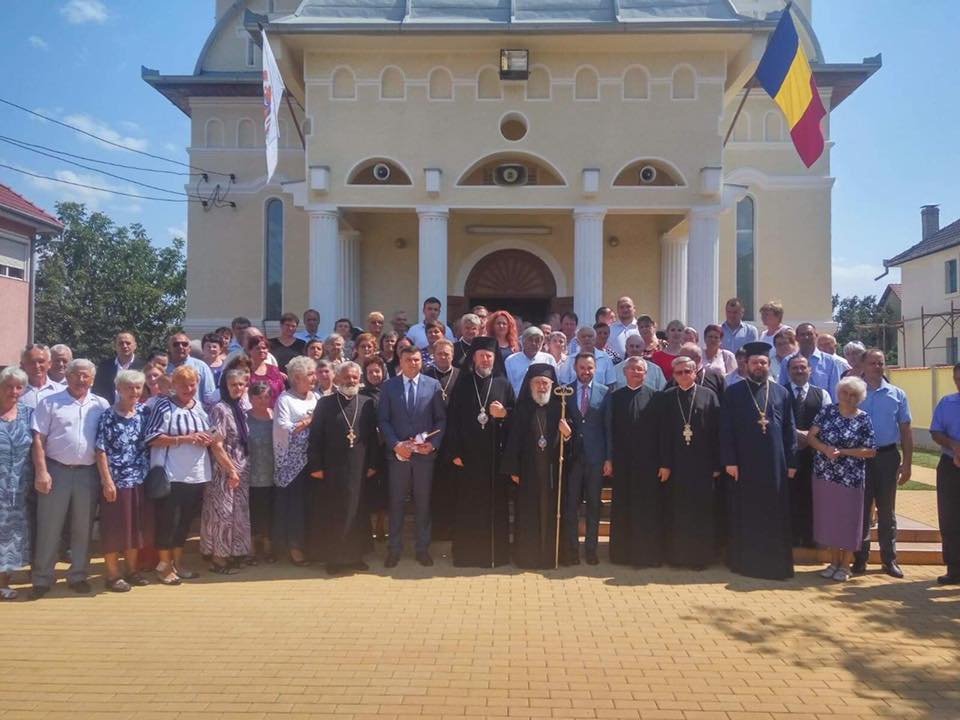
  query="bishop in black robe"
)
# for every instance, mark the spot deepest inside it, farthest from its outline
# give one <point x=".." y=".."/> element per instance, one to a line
<point x="342" y="532"/>
<point x="757" y="446"/>
<point x="534" y="466"/>
<point x="481" y="524"/>
<point x="693" y="463"/>
<point x="636" y="511"/>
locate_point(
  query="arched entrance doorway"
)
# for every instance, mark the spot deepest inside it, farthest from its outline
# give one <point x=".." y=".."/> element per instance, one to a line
<point x="514" y="280"/>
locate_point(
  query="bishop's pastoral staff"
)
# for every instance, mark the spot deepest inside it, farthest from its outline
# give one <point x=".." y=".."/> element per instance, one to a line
<point x="757" y="447"/>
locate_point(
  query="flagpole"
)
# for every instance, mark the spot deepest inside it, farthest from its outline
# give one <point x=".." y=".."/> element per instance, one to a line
<point x="293" y="117"/>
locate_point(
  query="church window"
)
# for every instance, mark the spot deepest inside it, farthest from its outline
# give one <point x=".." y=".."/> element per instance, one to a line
<point x="745" y="255"/>
<point x="950" y="276"/>
<point x="273" y="260"/>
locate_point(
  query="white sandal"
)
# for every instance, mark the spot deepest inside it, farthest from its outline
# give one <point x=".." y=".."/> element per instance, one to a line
<point x="8" y="593"/>
<point x="829" y="571"/>
<point x="842" y="575"/>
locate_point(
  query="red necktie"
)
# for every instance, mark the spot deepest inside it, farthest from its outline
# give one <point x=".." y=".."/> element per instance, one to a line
<point x="585" y="400"/>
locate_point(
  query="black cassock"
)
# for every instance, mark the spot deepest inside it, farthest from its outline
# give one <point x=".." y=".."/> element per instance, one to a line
<point x="443" y="492"/>
<point x="341" y="533"/>
<point x="760" y="542"/>
<point x="481" y="522"/>
<point x="636" y="535"/>
<point x="535" y="511"/>
<point x="690" y="492"/>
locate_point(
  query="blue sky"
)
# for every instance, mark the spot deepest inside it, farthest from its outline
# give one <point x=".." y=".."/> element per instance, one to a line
<point x="896" y="139"/>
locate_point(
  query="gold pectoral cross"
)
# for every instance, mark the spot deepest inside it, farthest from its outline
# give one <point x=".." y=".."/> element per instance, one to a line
<point x="763" y="422"/>
<point x="687" y="433"/>
<point x="351" y="437"/>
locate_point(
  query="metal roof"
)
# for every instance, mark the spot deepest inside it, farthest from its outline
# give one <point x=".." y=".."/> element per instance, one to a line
<point x="944" y="239"/>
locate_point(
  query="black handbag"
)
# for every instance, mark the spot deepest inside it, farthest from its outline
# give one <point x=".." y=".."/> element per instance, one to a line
<point x="157" y="483"/>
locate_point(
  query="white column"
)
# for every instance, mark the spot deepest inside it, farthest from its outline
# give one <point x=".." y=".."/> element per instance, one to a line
<point x="703" y="267"/>
<point x="673" y="278"/>
<point x="587" y="262"/>
<point x="433" y="255"/>
<point x="349" y="280"/>
<point x="324" y="270"/>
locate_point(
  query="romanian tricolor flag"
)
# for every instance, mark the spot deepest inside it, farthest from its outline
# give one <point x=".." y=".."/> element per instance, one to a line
<point x="786" y="76"/>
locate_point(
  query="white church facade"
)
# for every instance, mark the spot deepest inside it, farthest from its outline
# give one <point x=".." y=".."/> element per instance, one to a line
<point x="535" y="156"/>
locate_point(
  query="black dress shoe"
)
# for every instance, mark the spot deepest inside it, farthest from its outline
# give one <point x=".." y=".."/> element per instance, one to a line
<point x="893" y="570"/>
<point x="39" y="591"/>
<point x="81" y="588"/>
<point x="949" y="579"/>
<point x="360" y="566"/>
<point x="858" y="568"/>
<point x="392" y="560"/>
<point x="592" y="559"/>
<point x="568" y="561"/>
<point x="424" y="559"/>
<point x="334" y="568"/>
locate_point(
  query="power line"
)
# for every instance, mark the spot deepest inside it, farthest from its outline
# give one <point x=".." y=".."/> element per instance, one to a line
<point x="89" y="167"/>
<point x="95" y="160"/>
<point x="100" y="189"/>
<point x="109" y="142"/>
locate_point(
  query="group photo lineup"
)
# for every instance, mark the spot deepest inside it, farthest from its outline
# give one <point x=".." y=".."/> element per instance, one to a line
<point x="482" y="358"/>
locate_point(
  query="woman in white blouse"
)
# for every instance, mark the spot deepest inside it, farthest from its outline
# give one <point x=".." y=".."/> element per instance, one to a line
<point x="291" y="428"/>
<point x="715" y="356"/>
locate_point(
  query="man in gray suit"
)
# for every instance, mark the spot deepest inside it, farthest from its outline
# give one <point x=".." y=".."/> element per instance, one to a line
<point x="412" y="418"/>
<point x="586" y="409"/>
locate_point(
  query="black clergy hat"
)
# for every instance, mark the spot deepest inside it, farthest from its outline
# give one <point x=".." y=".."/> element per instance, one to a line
<point x="483" y="342"/>
<point x="541" y="370"/>
<point x="757" y="348"/>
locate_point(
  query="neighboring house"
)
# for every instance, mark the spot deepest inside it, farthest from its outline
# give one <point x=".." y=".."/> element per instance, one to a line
<point x="433" y="167"/>
<point x="890" y="307"/>
<point x="21" y="222"/>
<point x="930" y="294"/>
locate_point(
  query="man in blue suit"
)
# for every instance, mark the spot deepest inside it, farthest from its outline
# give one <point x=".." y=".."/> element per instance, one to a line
<point x="586" y="410"/>
<point x="412" y="418"/>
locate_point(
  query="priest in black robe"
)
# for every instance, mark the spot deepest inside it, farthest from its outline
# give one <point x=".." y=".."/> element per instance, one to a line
<point x="689" y="466"/>
<point x="636" y="536"/>
<point x="443" y="493"/>
<point x="342" y="453"/>
<point x="757" y="447"/>
<point x="476" y="432"/>
<point x="531" y="459"/>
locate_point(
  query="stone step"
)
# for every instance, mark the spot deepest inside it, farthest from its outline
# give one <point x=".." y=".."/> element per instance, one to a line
<point x="908" y="553"/>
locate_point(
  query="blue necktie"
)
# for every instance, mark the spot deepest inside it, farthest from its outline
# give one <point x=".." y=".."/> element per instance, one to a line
<point x="410" y="392"/>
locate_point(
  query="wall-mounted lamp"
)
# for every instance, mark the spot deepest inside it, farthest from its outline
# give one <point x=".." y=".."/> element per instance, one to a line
<point x="514" y="64"/>
<point x="613" y="241"/>
<point x="400" y="243"/>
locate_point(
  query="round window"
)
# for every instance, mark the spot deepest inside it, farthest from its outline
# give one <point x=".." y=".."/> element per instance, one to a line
<point x="513" y="126"/>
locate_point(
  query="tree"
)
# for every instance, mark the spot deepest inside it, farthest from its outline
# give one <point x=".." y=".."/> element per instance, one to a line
<point x="861" y="318"/>
<point x="99" y="278"/>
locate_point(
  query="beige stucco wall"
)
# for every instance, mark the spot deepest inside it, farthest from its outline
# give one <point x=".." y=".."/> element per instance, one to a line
<point x="924" y="286"/>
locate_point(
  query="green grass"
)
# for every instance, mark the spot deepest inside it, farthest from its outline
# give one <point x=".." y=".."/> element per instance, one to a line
<point x="914" y="485"/>
<point x="925" y="458"/>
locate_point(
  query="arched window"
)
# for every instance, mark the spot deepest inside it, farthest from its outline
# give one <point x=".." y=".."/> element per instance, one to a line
<point x="213" y="133"/>
<point x="273" y="260"/>
<point x="684" y="83"/>
<point x="586" y="85"/>
<point x="246" y="136"/>
<point x="488" y="84"/>
<point x="636" y="84"/>
<point x="344" y="84"/>
<point x="745" y="255"/>
<point x="392" y="84"/>
<point x="772" y="127"/>
<point x="538" y="85"/>
<point x="440" y="84"/>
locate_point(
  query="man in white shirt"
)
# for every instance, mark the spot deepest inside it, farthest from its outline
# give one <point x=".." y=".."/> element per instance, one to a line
<point x="311" y="327"/>
<point x="35" y="362"/>
<point x="587" y="343"/>
<point x="60" y="357"/>
<point x="66" y="479"/>
<point x="624" y="327"/>
<point x="417" y="334"/>
<point x="530" y="342"/>
<point x="654" y="379"/>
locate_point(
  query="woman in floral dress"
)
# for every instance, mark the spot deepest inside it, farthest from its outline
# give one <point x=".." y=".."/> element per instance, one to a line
<point x="842" y="435"/>
<point x="16" y="476"/>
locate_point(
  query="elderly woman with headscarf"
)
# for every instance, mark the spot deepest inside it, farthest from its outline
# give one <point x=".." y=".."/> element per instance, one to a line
<point x="291" y="424"/>
<point x="122" y="461"/>
<point x="225" y="519"/>
<point x="16" y="477"/>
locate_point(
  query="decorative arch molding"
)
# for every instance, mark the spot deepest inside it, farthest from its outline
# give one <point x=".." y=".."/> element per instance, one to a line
<point x="393" y="84"/>
<point x="636" y="83"/>
<point x="246" y="133"/>
<point x="773" y="126"/>
<point x="683" y="82"/>
<point x="586" y="83"/>
<point x="488" y="84"/>
<point x="343" y="83"/>
<point x="214" y="135"/>
<point x="548" y="259"/>
<point x="440" y="84"/>
<point x="362" y="173"/>
<point x="663" y="166"/>
<point x="539" y="84"/>
<point x="741" y="131"/>
<point x="467" y="178"/>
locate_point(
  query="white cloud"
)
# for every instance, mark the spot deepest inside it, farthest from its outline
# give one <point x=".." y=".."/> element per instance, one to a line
<point x="98" y="127"/>
<point x="852" y="278"/>
<point x="84" y="11"/>
<point x="38" y="42"/>
<point x="93" y="199"/>
<point x="177" y="231"/>
<point x="172" y="148"/>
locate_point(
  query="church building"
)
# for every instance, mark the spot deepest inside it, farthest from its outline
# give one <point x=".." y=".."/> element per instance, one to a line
<point x="531" y="155"/>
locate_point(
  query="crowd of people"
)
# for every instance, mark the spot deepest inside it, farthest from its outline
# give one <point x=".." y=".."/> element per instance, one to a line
<point x="309" y="447"/>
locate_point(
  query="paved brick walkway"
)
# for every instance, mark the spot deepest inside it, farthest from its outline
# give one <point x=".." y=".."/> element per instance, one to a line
<point x="603" y="642"/>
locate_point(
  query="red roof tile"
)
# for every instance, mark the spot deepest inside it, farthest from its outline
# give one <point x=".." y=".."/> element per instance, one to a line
<point x="13" y="201"/>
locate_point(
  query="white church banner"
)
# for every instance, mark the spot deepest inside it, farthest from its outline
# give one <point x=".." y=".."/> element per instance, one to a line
<point x="273" y="89"/>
